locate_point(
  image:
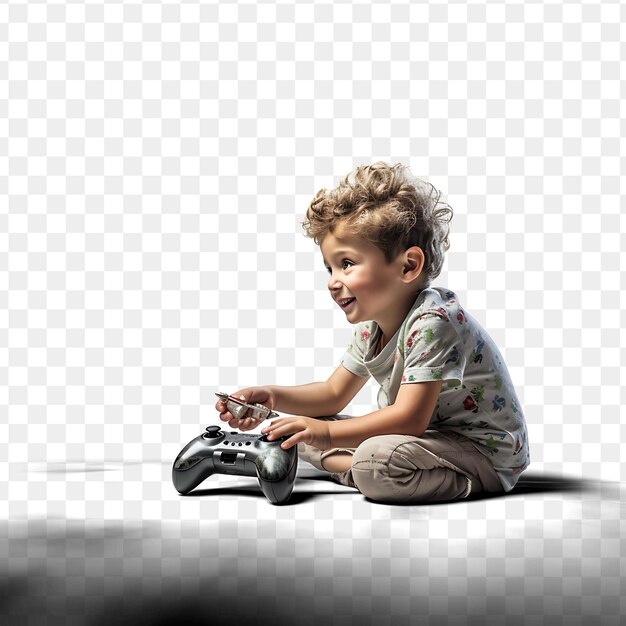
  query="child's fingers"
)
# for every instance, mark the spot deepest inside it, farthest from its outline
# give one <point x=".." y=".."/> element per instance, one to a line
<point x="248" y="423"/>
<point x="282" y="428"/>
<point x="220" y="407"/>
<point x="294" y="440"/>
<point x="226" y="417"/>
<point x="272" y="426"/>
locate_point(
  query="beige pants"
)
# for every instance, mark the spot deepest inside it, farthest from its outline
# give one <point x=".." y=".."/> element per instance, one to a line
<point x="439" y="465"/>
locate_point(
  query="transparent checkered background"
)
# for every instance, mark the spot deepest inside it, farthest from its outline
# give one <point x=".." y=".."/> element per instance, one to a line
<point x="156" y="160"/>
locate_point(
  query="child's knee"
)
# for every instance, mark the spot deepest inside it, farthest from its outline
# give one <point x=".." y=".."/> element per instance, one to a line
<point x="372" y="471"/>
<point x="387" y="455"/>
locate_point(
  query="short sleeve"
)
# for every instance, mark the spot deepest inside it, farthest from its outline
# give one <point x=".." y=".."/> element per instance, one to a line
<point x="354" y="357"/>
<point x="433" y="350"/>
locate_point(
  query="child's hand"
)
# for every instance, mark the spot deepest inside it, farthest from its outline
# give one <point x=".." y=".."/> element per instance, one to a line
<point x="262" y="395"/>
<point x="302" y="430"/>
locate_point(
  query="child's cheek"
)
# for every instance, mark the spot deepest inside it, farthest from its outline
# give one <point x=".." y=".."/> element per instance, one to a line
<point x="366" y="282"/>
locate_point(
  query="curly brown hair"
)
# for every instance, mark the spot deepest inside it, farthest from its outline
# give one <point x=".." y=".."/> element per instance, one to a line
<point x="388" y="206"/>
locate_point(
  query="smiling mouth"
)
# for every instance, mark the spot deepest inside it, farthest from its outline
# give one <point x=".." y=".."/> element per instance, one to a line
<point x="344" y="303"/>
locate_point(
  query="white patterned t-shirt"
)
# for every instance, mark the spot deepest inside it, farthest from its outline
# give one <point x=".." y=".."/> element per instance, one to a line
<point x="439" y="340"/>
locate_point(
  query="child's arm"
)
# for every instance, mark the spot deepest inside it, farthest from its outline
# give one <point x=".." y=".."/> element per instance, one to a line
<point x="315" y="399"/>
<point x="409" y="415"/>
<point x="319" y="399"/>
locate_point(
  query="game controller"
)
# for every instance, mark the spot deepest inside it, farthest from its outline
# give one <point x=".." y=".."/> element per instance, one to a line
<point x="239" y="454"/>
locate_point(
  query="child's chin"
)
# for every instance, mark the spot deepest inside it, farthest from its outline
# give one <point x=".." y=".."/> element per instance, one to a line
<point x="354" y="318"/>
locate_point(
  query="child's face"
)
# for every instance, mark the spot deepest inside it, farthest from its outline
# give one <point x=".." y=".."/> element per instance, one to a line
<point x="362" y="283"/>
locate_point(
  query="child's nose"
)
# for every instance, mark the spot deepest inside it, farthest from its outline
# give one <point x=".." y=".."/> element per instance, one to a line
<point x="333" y="283"/>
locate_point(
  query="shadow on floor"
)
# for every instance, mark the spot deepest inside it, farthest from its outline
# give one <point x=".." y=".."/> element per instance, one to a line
<point x="297" y="497"/>
<point x="534" y="482"/>
<point x="529" y="483"/>
<point x="538" y="483"/>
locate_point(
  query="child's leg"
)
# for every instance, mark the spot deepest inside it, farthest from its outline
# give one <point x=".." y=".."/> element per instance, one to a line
<point x="436" y="466"/>
<point x="336" y="462"/>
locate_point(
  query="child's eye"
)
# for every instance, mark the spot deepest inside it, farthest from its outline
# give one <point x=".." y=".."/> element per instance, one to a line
<point x="345" y="264"/>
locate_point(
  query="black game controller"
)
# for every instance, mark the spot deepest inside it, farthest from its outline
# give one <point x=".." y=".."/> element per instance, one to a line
<point x="239" y="454"/>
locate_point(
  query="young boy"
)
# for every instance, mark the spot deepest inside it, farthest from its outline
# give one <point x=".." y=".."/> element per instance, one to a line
<point x="448" y="422"/>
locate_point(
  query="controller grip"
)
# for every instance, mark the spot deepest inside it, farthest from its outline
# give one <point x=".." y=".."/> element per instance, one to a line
<point x="193" y="465"/>
<point x="185" y="481"/>
<point x="276" y="472"/>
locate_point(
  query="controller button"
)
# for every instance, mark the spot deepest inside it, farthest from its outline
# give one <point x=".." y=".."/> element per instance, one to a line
<point x="213" y="432"/>
<point x="247" y="443"/>
<point x="241" y="444"/>
<point x="263" y="438"/>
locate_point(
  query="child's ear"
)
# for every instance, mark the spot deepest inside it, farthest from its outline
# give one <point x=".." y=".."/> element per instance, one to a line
<point x="413" y="263"/>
